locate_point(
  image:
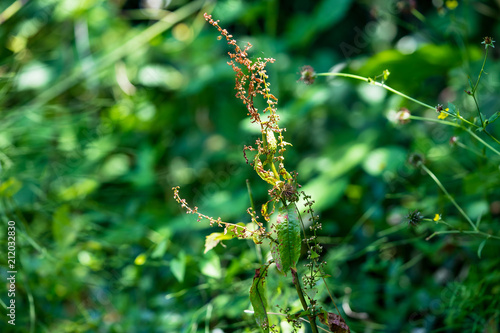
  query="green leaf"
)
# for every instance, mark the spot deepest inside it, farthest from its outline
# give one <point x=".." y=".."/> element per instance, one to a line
<point x="259" y="300"/>
<point x="289" y="242"/>
<point x="215" y="238"/>
<point x="480" y="249"/>
<point x="160" y="249"/>
<point x="178" y="266"/>
<point x="211" y="266"/>
<point x="494" y="117"/>
<point x="470" y="84"/>
<point x="452" y="108"/>
<point x="314" y="255"/>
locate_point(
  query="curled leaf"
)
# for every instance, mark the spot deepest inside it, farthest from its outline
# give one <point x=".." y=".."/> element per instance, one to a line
<point x="335" y="323"/>
<point x="259" y="300"/>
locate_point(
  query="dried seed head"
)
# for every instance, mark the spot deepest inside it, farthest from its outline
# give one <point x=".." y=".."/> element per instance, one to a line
<point x="414" y="217"/>
<point x="307" y="74"/>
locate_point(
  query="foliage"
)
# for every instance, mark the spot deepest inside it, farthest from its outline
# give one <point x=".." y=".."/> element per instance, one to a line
<point x="106" y="105"/>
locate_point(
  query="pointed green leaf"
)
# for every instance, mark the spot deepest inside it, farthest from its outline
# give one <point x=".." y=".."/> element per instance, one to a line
<point x="314" y="255"/>
<point x="259" y="300"/>
<point x="470" y="84"/>
<point x="494" y="117"/>
<point x="480" y="249"/>
<point x="289" y="242"/>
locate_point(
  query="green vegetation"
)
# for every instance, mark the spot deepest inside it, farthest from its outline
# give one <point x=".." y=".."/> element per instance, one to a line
<point x="108" y="105"/>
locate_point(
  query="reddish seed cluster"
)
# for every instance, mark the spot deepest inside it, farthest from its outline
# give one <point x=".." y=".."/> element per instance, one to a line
<point x="251" y="81"/>
<point x="240" y="231"/>
<point x="268" y="161"/>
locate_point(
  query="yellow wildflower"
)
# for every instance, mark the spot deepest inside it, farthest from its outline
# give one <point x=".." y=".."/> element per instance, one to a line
<point x="443" y="114"/>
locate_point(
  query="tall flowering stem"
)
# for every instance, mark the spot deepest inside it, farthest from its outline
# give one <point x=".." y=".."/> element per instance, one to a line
<point x="251" y="82"/>
<point x="284" y="234"/>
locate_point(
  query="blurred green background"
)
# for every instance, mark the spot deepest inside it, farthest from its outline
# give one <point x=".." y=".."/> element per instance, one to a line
<point x="105" y="106"/>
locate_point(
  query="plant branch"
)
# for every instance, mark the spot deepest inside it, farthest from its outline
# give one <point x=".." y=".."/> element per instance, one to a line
<point x="296" y="282"/>
<point x="436" y="180"/>
<point x="469" y="232"/>
<point x="357" y="77"/>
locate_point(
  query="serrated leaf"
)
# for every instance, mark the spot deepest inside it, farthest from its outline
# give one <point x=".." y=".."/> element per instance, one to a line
<point x="289" y="242"/>
<point x="259" y="300"/>
<point x="480" y="249"/>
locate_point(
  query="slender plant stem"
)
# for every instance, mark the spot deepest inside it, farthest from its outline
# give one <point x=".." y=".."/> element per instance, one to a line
<point x="491" y="136"/>
<point x="482" y="141"/>
<point x="466" y="121"/>
<point x="362" y="78"/>
<point x="478" y="111"/>
<point x="448" y="123"/>
<point x="357" y="77"/>
<point x="296" y="282"/>
<point x="469" y="232"/>
<point x="436" y="180"/>
<point x="250" y="195"/>
<point x="480" y="73"/>
<point x="439" y="121"/>
<point x="473" y="93"/>
<point x="282" y="314"/>
<point x="331" y="297"/>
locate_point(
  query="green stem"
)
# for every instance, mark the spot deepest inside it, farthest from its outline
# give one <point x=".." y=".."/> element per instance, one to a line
<point x="482" y="141"/>
<point x="480" y="73"/>
<point x="296" y="282"/>
<point x="250" y="195"/>
<point x="491" y="136"/>
<point x="361" y="78"/>
<point x="473" y="93"/>
<point x="469" y="232"/>
<point x="439" y="121"/>
<point x="449" y="123"/>
<point x="478" y="111"/>
<point x="436" y="180"/>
